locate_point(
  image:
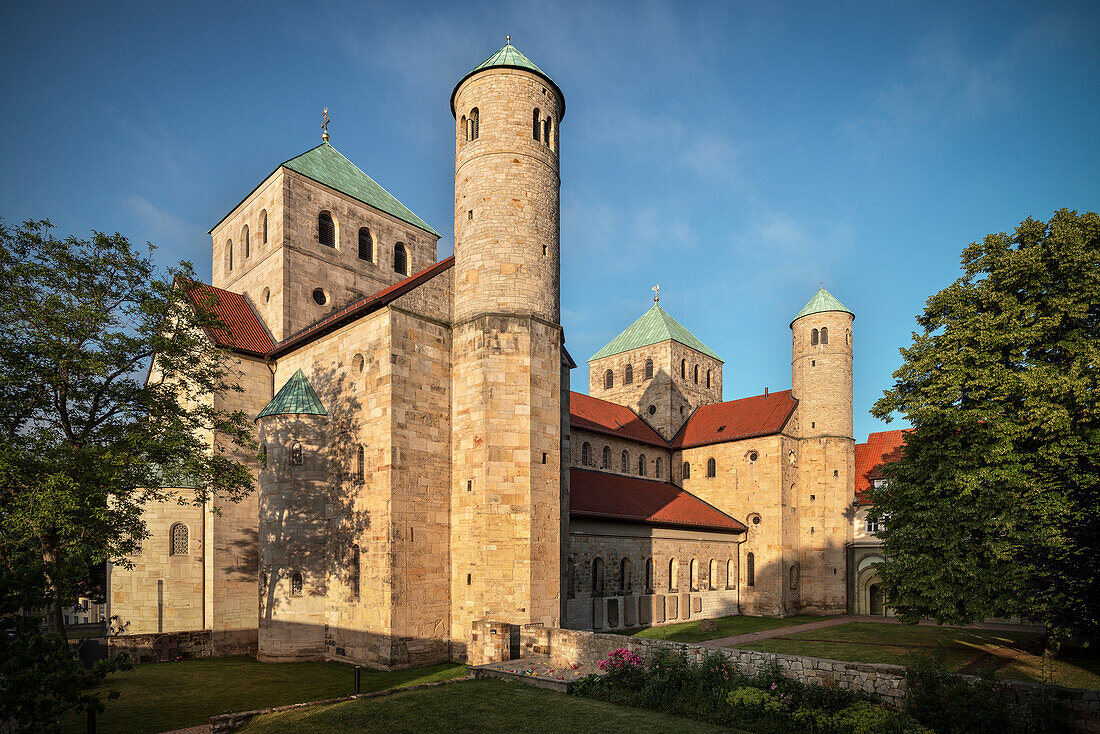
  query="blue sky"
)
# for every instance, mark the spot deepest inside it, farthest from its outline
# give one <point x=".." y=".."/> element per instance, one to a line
<point x="736" y="153"/>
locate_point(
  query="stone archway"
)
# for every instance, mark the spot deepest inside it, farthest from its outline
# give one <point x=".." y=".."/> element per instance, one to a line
<point x="869" y="597"/>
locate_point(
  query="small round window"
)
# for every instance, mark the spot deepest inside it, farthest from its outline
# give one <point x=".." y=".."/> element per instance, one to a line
<point x="653" y="410"/>
<point x="753" y="456"/>
<point x="319" y="297"/>
<point x="754" y="518"/>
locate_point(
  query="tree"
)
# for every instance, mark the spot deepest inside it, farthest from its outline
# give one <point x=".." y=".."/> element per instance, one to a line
<point x="994" y="509"/>
<point x="106" y="381"/>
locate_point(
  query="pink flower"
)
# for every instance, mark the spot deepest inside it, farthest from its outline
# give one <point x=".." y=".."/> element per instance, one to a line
<point x="773" y="686"/>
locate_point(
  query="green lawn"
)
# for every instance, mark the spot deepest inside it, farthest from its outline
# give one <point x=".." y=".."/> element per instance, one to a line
<point x="162" y="696"/>
<point x="475" y="706"/>
<point x="727" y="627"/>
<point x="870" y="642"/>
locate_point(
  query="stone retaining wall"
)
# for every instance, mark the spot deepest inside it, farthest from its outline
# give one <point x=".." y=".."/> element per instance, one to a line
<point x="166" y="646"/>
<point x="573" y="647"/>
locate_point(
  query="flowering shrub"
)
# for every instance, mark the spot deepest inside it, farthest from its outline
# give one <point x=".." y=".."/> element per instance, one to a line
<point x="620" y="659"/>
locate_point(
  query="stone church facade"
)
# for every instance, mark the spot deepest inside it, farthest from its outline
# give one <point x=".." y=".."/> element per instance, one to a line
<point x="424" y="464"/>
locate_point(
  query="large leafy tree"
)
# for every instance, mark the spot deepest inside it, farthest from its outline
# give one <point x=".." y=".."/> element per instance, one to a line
<point x="994" y="510"/>
<point x="107" y="379"/>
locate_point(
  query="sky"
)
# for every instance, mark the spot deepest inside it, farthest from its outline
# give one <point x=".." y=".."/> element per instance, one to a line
<point x="736" y="153"/>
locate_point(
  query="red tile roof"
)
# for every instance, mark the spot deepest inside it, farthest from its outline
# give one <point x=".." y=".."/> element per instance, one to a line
<point x="355" y="309"/>
<point x="633" y="499"/>
<point x="243" y="332"/>
<point x="762" y="415"/>
<point x="599" y="416"/>
<point x="881" y="448"/>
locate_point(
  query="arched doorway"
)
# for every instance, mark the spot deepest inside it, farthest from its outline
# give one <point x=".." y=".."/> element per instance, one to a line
<point x="874" y="594"/>
<point x="869" y="596"/>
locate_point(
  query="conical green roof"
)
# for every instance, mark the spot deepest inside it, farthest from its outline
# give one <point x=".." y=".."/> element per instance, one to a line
<point x="509" y="57"/>
<point x="822" y="301"/>
<point x="652" y="327"/>
<point x="297" y="397"/>
<point x="326" y="165"/>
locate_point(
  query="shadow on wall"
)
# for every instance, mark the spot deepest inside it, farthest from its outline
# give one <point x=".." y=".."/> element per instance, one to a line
<point x="310" y="521"/>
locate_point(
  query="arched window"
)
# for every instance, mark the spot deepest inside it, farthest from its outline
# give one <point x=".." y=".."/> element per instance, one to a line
<point x="695" y="374"/>
<point x="475" y="123"/>
<point x="547" y="130"/>
<point x="794" y="577"/>
<point x="360" y="463"/>
<point x="597" y="577"/>
<point x="750" y="570"/>
<point x="649" y="576"/>
<point x="713" y="580"/>
<point x="263" y="456"/>
<point x="712" y="468"/>
<point x="229" y="252"/>
<point x="570" y="579"/>
<point x="608" y="380"/>
<point x="465" y="129"/>
<point x="244" y="236"/>
<point x="687" y="471"/>
<point x="708" y="378"/>
<point x="400" y="259"/>
<point x="694" y="580"/>
<point x="586" y="451"/>
<point x="813" y="337"/>
<point x="179" y="540"/>
<point x="624" y="576"/>
<point x="657" y="468"/>
<point x="366" y="245"/>
<point x="606" y="457"/>
<point x="296" y="584"/>
<point x="354" y="580"/>
<point x="535" y="124"/>
<point x="628" y="375"/>
<point x="683" y="368"/>
<point x="649" y="369"/>
<point x="625" y="464"/>
<point x="641" y="465"/>
<point x="673" y="574"/>
<point x="729" y="574"/>
<point x="263" y="215"/>
<point x="326" y="230"/>
<point x="824" y="335"/>
<point x="296" y="453"/>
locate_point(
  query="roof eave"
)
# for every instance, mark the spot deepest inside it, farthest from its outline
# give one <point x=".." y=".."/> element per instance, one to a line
<point x="612" y="517"/>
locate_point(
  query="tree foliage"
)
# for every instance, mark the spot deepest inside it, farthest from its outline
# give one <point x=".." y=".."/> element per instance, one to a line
<point x="994" y="508"/>
<point x="107" y="385"/>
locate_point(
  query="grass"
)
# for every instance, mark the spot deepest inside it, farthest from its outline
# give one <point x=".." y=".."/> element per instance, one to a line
<point x="475" y="706"/>
<point x="870" y="642"/>
<point x="163" y="696"/>
<point x="727" y="627"/>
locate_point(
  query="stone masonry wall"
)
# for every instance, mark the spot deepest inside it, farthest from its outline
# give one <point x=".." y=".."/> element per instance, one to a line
<point x="1080" y="707"/>
<point x="633" y="449"/>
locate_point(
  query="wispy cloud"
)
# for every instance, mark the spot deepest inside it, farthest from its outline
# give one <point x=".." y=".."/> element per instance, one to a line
<point x="163" y="229"/>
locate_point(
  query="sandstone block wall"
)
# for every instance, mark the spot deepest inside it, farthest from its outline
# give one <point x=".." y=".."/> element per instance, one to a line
<point x="598" y="441"/>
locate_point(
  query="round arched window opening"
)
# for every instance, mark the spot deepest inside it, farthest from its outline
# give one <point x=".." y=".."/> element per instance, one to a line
<point x="359" y="362"/>
<point x="653" y="410"/>
<point x="319" y="297"/>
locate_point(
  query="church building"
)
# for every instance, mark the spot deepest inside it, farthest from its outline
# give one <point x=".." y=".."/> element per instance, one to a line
<point x="424" y="463"/>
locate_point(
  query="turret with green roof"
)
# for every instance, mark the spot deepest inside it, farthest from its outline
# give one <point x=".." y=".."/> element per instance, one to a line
<point x="297" y="397"/>
<point x="510" y="57"/>
<point x="822" y="301"/>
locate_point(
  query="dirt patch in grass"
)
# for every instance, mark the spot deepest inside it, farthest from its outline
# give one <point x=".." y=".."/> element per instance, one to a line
<point x="727" y="627"/>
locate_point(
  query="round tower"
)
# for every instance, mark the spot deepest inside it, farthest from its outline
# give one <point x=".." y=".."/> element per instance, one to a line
<point x="508" y="505"/>
<point x="821" y="367"/>
<point x="507" y="113"/>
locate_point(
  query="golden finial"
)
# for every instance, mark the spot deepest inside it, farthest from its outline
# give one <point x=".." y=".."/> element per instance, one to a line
<point x="324" y="125"/>
<point x="656" y="293"/>
<point x="508" y="40"/>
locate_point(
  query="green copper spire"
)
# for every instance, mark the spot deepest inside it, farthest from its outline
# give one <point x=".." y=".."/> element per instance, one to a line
<point x="653" y="327"/>
<point x="509" y="57"/>
<point x="297" y="397"/>
<point x="822" y="301"/>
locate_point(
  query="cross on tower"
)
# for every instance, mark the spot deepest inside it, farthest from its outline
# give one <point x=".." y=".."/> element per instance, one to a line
<point x="324" y="125"/>
<point x="656" y="293"/>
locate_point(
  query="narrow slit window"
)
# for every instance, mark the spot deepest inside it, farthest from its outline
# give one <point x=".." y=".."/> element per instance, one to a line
<point x="535" y="124"/>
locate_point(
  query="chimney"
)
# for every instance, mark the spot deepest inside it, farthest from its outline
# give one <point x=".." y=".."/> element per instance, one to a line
<point x="765" y="392"/>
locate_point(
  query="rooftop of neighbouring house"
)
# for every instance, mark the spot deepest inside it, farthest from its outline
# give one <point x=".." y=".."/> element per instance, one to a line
<point x="881" y="448"/>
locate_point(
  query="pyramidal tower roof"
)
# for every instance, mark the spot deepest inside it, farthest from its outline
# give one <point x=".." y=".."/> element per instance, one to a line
<point x="326" y="165"/>
<point x="822" y="301"/>
<point x="297" y="397"/>
<point x="509" y="57"/>
<point x="653" y="327"/>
